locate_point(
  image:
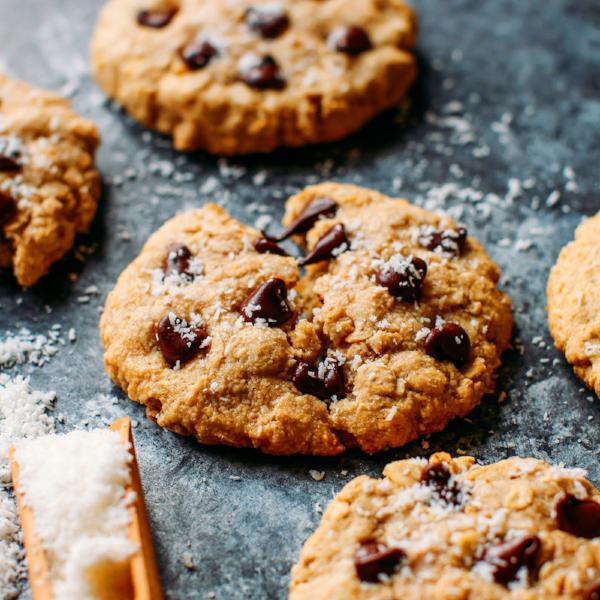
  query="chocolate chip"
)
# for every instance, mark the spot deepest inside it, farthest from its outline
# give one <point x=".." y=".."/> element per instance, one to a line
<point x="403" y="277"/>
<point x="449" y="342"/>
<point x="8" y="208"/>
<point x="350" y="40"/>
<point x="155" y="18"/>
<point x="373" y="559"/>
<point x="334" y="378"/>
<point x="319" y="207"/>
<point x="179" y="341"/>
<point x="198" y="53"/>
<point x="267" y="303"/>
<point x="592" y="592"/>
<point x="266" y="246"/>
<point x="509" y="558"/>
<point x="9" y="162"/>
<point x="324" y="381"/>
<point x="449" y="242"/>
<point x="269" y="22"/>
<point x="177" y="261"/>
<point x="329" y="245"/>
<point x="10" y="153"/>
<point x="438" y="477"/>
<point x="262" y="73"/>
<point x="578" y="517"/>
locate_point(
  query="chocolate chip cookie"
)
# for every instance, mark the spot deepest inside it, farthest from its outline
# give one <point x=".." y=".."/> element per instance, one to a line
<point x="449" y="528"/>
<point x="393" y="327"/>
<point x="49" y="187"/>
<point x="574" y="302"/>
<point x="250" y="75"/>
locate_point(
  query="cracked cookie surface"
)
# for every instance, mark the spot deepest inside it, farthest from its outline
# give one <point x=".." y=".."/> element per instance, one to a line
<point x="574" y="302"/>
<point x="244" y="76"/>
<point x="222" y="337"/>
<point x="449" y="529"/>
<point x="49" y="187"/>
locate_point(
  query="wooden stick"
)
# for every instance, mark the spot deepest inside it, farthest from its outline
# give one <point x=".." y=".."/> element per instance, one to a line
<point x="144" y="571"/>
<point x="37" y="563"/>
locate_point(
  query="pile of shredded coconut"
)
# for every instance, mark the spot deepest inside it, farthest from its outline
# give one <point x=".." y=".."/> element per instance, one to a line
<point x="26" y="347"/>
<point x="75" y="484"/>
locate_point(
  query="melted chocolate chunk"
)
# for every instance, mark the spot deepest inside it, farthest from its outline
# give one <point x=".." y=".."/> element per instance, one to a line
<point x="350" y="40"/>
<point x="177" y="261"/>
<point x="267" y="246"/>
<point x="509" y="558"/>
<point x="155" y="18"/>
<point x="373" y="559"/>
<point x="449" y="342"/>
<point x="329" y="245"/>
<point x="9" y="162"/>
<point x="578" y="517"/>
<point x="403" y="277"/>
<point x="439" y="478"/>
<point x="450" y="242"/>
<point x="269" y="22"/>
<point x="179" y="341"/>
<point x="592" y="592"/>
<point x="268" y="303"/>
<point x="8" y="208"/>
<point x="324" y="381"/>
<point x="198" y="53"/>
<point x="319" y="207"/>
<point x="261" y="73"/>
<point x="10" y="153"/>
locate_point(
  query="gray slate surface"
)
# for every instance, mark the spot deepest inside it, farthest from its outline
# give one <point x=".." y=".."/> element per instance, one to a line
<point x="508" y="89"/>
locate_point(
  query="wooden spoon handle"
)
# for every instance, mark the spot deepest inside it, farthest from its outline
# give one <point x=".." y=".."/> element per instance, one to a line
<point x="37" y="563"/>
<point x="144" y="570"/>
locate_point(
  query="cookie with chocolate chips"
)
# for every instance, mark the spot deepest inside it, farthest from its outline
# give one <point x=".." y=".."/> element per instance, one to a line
<point x="203" y="328"/>
<point x="419" y="328"/>
<point x="574" y="302"/>
<point x="252" y="75"/>
<point x="450" y="528"/>
<point x="49" y="187"/>
<point x="369" y="340"/>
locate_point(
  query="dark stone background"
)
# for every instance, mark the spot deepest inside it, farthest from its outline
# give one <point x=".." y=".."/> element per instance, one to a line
<point x="508" y="89"/>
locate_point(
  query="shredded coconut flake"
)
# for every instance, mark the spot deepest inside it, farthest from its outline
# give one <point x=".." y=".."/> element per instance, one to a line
<point x="316" y="475"/>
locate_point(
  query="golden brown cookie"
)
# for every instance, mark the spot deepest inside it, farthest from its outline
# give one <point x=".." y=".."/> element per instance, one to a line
<point x="574" y="302"/>
<point x="449" y="529"/>
<point x="243" y="76"/>
<point x="396" y="327"/>
<point x="49" y="187"/>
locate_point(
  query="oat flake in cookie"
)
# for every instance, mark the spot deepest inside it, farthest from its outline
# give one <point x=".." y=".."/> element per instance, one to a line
<point x="242" y="76"/>
<point x="49" y="187"/>
<point x="574" y="302"/>
<point x="376" y="341"/>
<point x="513" y="529"/>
